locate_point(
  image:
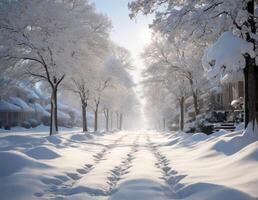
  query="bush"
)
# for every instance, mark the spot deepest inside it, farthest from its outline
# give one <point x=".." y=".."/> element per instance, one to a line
<point x="15" y="124"/>
<point x="204" y="127"/>
<point x="25" y="125"/>
<point x="207" y="129"/>
<point x="7" y="127"/>
<point x="201" y="124"/>
<point x="191" y="130"/>
<point x="46" y="120"/>
<point x="34" y="123"/>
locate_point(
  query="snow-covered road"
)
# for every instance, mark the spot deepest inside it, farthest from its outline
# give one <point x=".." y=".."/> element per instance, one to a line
<point x="140" y="165"/>
<point x="128" y="167"/>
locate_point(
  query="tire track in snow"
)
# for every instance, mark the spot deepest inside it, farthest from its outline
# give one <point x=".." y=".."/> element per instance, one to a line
<point x="102" y="180"/>
<point x="170" y="176"/>
<point x="144" y="180"/>
<point x="122" y="169"/>
<point x="58" y="190"/>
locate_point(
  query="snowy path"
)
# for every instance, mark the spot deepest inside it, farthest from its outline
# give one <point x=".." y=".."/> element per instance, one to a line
<point x="144" y="180"/>
<point x="129" y="167"/>
<point x="142" y="165"/>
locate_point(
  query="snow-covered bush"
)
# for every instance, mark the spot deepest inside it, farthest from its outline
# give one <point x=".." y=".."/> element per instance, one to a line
<point x="26" y="124"/>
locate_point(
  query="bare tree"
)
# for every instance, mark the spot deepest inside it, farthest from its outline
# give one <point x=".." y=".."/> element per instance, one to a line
<point x="101" y="86"/>
<point x="84" y="94"/>
<point x="107" y="116"/>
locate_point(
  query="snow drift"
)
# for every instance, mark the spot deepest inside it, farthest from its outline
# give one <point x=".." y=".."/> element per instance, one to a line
<point x="128" y="165"/>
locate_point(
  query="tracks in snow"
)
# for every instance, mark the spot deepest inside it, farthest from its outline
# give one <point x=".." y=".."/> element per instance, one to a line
<point x="60" y="189"/>
<point x="119" y="163"/>
<point x="122" y="169"/>
<point x="171" y="176"/>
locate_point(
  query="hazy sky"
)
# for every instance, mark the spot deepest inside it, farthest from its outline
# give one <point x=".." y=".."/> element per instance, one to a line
<point x="130" y="34"/>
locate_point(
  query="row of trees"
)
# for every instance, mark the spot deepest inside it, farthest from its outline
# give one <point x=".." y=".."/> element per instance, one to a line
<point x="64" y="43"/>
<point x="183" y="36"/>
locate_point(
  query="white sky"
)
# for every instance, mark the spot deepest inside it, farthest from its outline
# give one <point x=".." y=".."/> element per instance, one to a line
<point x="133" y="35"/>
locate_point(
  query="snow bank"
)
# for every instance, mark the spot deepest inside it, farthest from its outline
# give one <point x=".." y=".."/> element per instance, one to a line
<point x="128" y="165"/>
<point x="13" y="162"/>
<point x="81" y="136"/>
<point x="218" y="166"/>
<point x="41" y="153"/>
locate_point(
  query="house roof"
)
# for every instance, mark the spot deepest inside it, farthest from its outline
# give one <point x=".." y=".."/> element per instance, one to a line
<point x="62" y="115"/>
<point x="6" y="106"/>
<point x="20" y="103"/>
<point x="41" y="110"/>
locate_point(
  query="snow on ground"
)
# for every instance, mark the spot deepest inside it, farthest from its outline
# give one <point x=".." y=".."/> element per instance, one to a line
<point x="140" y="165"/>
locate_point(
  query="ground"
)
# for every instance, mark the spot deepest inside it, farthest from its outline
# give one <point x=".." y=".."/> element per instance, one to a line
<point x="128" y="165"/>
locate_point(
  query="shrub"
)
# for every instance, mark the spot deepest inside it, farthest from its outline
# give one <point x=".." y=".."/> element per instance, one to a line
<point x="15" y="124"/>
<point x="25" y="125"/>
<point x="7" y="127"/>
<point x="34" y="123"/>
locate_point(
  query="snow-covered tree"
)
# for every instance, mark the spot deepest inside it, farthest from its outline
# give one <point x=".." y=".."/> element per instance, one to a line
<point x="165" y="86"/>
<point x="184" y="59"/>
<point x="116" y="68"/>
<point x="88" y="61"/>
<point x="204" y="21"/>
<point x="43" y="38"/>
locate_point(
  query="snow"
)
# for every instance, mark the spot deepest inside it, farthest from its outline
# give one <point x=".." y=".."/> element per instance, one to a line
<point x="6" y="106"/>
<point x="227" y="54"/>
<point x="145" y="165"/>
<point x="42" y="152"/>
<point x="20" y="103"/>
<point x="41" y="110"/>
<point x="63" y="115"/>
<point x="236" y="102"/>
<point x="60" y="112"/>
<point x="32" y="94"/>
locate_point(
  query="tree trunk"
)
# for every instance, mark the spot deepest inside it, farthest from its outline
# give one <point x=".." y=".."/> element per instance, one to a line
<point x="250" y="92"/>
<point x="164" y="123"/>
<point x="121" y="121"/>
<point x="107" y="119"/>
<point x="111" y="121"/>
<point x="251" y="76"/>
<point x="84" y="119"/>
<point x="195" y="99"/>
<point x="96" y="119"/>
<point x="53" y="117"/>
<point x="196" y="107"/>
<point x="182" y="105"/>
<point x="117" y="120"/>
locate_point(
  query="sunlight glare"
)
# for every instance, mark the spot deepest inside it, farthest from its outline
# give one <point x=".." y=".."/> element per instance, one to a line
<point x="145" y="36"/>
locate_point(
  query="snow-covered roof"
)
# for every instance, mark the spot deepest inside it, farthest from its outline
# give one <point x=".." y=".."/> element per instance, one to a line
<point x="20" y="103"/>
<point x="32" y="95"/>
<point x="62" y="115"/>
<point x="60" y="106"/>
<point x="6" y="106"/>
<point x="227" y="53"/>
<point x="41" y="110"/>
<point x="216" y="89"/>
<point x="63" y="106"/>
<point x="233" y="77"/>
